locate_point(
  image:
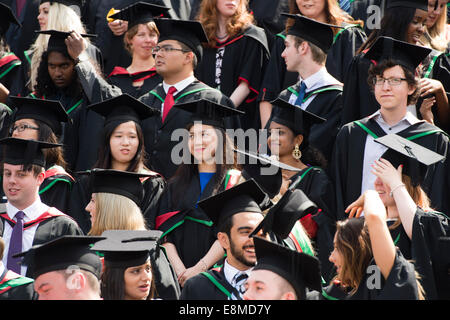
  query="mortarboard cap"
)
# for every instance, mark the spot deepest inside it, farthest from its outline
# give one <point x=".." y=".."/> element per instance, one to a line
<point x="51" y="112"/>
<point x="210" y="112"/>
<point x="244" y="197"/>
<point x="257" y="166"/>
<point x="280" y="219"/>
<point x="414" y="157"/>
<point x="78" y="3"/>
<point x="404" y="53"/>
<point x="124" y="183"/>
<point x="299" y="269"/>
<point x="7" y="17"/>
<point x="295" y="118"/>
<point x="123" y="108"/>
<point x="62" y="253"/>
<point x="24" y="152"/>
<point x="56" y="42"/>
<point x="318" y="33"/>
<point x="140" y="12"/>
<point x="127" y="248"/>
<point x="417" y="4"/>
<point x="189" y="32"/>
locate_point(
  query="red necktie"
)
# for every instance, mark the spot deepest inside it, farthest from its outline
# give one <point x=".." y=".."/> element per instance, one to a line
<point x="168" y="102"/>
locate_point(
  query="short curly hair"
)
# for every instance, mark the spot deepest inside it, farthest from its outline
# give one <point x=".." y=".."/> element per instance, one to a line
<point x="378" y="70"/>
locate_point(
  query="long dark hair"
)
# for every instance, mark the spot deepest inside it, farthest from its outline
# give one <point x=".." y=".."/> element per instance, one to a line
<point x="113" y="284"/>
<point x="187" y="171"/>
<point x="104" y="160"/>
<point x="45" y="85"/>
<point x="394" y="24"/>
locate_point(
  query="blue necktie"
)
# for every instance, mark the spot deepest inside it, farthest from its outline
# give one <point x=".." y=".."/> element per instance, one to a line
<point x="301" y="94"/>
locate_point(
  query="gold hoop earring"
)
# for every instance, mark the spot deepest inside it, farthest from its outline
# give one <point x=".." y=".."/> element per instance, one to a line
<point x="296" y="153"/>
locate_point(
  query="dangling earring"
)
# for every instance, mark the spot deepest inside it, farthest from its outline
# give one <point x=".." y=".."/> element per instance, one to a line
<point x="296" y="153"/>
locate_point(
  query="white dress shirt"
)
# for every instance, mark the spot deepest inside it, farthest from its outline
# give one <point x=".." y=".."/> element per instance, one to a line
<point x="179" y="86"/>
<point x="231" y="271"/>
<point x="319" y="79"/>
<point x="31" y="213"/>
<point x="373" y="150"/>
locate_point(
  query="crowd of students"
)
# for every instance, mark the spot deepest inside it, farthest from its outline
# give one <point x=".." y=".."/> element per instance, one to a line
<point x="224" y="150"/>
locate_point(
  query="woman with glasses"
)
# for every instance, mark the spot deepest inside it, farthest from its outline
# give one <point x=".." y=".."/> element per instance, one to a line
<point x="36" y="119"/>
<point x="139" y="40"/>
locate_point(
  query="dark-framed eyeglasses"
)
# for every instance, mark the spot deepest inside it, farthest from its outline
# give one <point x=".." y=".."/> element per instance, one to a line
<point x="167" y="48"/>
<point x="22" y="127"/>
<point x="391" y="81"/>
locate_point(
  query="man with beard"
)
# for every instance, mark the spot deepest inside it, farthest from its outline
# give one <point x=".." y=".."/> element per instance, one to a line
<point x="235" y="213"/>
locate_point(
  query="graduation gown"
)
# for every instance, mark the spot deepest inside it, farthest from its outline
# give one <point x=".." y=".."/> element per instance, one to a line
<point x="10" y="72"/>
<point x="209" y="285"/>
<point x="52" y="224"/>
<point x="13" y="286"/>
<point x="429" y="251"/>
<point x="277" y="78"/>
<point x="326" y="103"/>
<point x="158" y="134"/>
<point x="348" y="158"/>
<point x="56" y="188"/>
<point x="316" y="185"/>
<point x="358" y="98"/>
<point x="185" y="225"/>
<point x="121" y="78"/>
<point x="244" y="59"/>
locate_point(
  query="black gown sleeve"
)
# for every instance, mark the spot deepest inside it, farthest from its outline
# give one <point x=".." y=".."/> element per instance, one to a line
<point x="79" y="199"/>
<point x="154" y="188"/>
<point x="58" y="195"/>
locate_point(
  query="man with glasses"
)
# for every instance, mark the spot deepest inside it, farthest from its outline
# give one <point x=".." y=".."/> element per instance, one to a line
<point x="396" y="89"/>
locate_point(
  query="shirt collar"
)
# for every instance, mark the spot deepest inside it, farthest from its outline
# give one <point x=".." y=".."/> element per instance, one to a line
<point x="409" y="118"/>
<point x="31" y="213"/>
<point x="319" y="79"/>
<point x="231" y="271"/>
<point x="179" y="85"/>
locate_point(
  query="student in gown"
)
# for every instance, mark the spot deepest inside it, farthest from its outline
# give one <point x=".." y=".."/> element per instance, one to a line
<point x="37" y="119"/>
<point x="289" y="131"/>
<point x="121" y="147"/>
<point x="60" y="15"/>
<point x="10" y="64"/>
<point x="14" y="286"/>
<point x="57" y="80"/>
<point x="235" y="56"/>
<point x="416" y="229"/>
<point x="65" y="260"/>
<point x="347" y="39"/>
<point x="404" y="21"/>
<point x="435" y="35"/>
<point x="307" y="43"/>
<point x="142" y="35"/>
<point x="207" y="167"/>
<point x="128" y="272"/>
<point x="235" y="213"/>
<point x="395" y="88"/>
<point x="27" y="221"/>
<point x="281" y="273"/>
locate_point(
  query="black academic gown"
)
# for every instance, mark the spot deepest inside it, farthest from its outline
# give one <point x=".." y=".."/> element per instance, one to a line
<point x="51" y="225"/>
<point x="327" y="103"/>
<point x="358" y="97"/>
<point x="16" y="287"/>
<point x="316" y="185"/>
<point x="56" y="188"/>
<point x="121" y="78"/>
<point x="348" y="158"/>
<point x="10" y="72"/>
<point x="244" y="59"/>
<point x="158" y="134"/>
<point x="184" y="225"/>
<point x="277" y="78"/>
<point x="430" y="234"/>
<point x="209" y="285"/>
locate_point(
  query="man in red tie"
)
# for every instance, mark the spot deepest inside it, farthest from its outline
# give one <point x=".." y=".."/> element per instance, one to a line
<point x="177" y="54"/>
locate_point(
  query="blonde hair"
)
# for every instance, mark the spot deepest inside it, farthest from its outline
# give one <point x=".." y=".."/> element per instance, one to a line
<point x="435" y="35"/>
<point x="61" y="18"/>
<point x="116" y="212"/>
<point x="236" y="24"/>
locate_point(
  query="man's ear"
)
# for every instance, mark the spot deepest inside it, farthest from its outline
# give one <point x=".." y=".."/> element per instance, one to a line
<point x="41" y="177"/>
<point x="224" y="240"/>
<point x="288" y="296"/>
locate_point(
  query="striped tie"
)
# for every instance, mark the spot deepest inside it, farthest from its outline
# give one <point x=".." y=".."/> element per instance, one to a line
<point x="238" y="283"/>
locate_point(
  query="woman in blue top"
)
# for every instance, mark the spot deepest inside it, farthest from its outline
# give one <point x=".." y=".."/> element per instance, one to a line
<point x="188" y="235"/>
